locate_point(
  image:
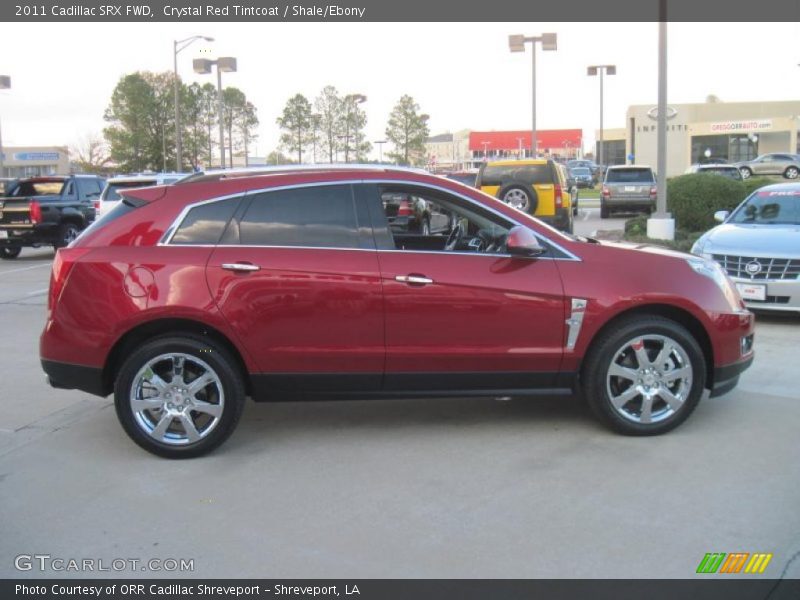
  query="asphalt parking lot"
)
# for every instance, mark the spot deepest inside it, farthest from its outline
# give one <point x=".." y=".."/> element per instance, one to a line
<point x="439" y="488"/>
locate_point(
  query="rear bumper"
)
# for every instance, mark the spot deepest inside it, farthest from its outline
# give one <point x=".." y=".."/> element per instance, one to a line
<point x="644" y="202"/>
<point x="561" y="220"/>
<point x="727" y="377"/>
<point x="66" y="376"/>
<point x="28" y="236"/>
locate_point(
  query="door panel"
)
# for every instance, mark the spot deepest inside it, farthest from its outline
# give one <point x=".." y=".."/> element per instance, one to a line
<point x="484" y="322"/>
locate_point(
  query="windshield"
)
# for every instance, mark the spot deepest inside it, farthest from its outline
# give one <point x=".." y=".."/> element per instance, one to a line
<point x="629" y="176"/>
<point x="770" y="208"/>
<point x="581" y="171"/>
<point x="112" y="189"/>
<point x="37" y="188"/>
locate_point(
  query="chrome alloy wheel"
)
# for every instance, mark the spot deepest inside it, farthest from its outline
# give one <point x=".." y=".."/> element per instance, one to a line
<point x="649" y="379"/>
<point x="516" y="198"/>
<point x="177" y="399"/>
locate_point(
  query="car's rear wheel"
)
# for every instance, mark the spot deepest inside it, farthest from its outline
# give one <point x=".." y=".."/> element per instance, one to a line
<point x="67" y="233"/>
<point x="179" y="396"/>
<point x="9" y="252"/>
<point x="746" y="173"/>
<point x="645" y="376"/>
<point x="520" y="198"/>
<point x="604" y="213"/>
<point x="791" y="173"/>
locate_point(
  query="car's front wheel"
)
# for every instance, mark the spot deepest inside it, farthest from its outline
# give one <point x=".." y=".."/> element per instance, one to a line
<point x="179" y="396"/>
<point x="644" y="376"/>
<point x="9" y="252"/>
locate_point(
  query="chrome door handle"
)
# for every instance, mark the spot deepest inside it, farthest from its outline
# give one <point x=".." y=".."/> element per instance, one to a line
<point x="241" y="267"/>
<point x="413" y="279"/>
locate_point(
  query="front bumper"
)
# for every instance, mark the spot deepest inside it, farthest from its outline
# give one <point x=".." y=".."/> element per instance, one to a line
<point x="727" y="377"/>
<point x="781" y="294"/>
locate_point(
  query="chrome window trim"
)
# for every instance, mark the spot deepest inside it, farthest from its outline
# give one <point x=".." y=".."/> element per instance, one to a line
<point x="166" y="238"/>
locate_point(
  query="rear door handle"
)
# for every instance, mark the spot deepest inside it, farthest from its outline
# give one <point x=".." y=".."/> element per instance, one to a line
<point x="241" y="267"/>
<point x="413" y="279"/>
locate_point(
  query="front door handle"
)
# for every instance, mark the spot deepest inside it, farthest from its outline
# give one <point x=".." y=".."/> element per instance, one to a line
<point x="241" y="267"/>
<point x="413" y="279"/>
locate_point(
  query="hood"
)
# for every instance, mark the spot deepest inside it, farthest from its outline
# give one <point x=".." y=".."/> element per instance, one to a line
<point x="649" y="248"/>
<point x="773" y="241"/>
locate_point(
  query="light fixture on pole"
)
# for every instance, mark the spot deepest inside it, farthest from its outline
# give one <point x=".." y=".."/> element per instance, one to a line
<point x="5" y="84"/>
<point x="486" y="150"/>
<point x="380" y="149"/>
<point x="225" y="64"/>
<point x="516" y="43"/>
<point x="177" y="47"/>
<point x="592" y="71"/>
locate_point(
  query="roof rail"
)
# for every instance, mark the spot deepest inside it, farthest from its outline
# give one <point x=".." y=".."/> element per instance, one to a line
<point x="266" y="170"/>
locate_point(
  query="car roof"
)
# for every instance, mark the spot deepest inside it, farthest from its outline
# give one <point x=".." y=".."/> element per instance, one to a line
<point x="779" y="187"/>
<point x="523" y="162"/>
<point x="620" y="167"/>
<point x="222" y="174"/>
<point x="715" y="166"/>
<point x="140" y="177"/>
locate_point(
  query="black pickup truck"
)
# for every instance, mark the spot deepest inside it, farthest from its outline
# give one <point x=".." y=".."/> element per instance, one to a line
<point x="46" y="211"/>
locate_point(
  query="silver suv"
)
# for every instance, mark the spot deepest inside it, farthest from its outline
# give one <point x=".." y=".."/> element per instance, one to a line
<point x="628" y="188"/>
<point x="787" y="165"/>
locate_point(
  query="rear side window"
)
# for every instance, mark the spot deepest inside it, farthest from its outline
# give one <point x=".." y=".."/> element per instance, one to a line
<point x="629" y="176"/>
<point x="205" y="223"/>
<point x="503" y="174"/>
<point x="321" y="216"/>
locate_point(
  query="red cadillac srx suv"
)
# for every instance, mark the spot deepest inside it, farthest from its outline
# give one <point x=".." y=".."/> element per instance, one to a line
<point x="290" y="283"/>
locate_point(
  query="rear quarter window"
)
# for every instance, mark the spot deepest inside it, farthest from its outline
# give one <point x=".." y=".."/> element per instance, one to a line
<point x="205" y="223"/>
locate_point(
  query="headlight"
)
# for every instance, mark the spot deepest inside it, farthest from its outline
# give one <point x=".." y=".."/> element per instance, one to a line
<point x="717" y="274"/>
<point x="699" y="248"/>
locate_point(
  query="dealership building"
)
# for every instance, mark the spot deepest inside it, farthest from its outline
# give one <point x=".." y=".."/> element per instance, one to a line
<point x="34" y="161"/>
<point x="704" y="132"/>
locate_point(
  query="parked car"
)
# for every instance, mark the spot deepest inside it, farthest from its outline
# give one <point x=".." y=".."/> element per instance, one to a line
<point x="41" y="211"/>
<point x="465" y="177"/>
<point x="758" y="245"/>
<point x="110" y="196"/>
<point x="589" y="164"/>
<point x="628" y="188"/>
<point x="583" y="177"/>
<point x="537" y="186"/>
<point x="290" y="284"/>
<point x="787" y="165"/>
<point x="729" y="171"/>
<point x="407" y="212"/>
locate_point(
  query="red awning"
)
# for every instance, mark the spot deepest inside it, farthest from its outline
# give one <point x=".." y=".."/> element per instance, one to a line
<point x="509" y="140"/>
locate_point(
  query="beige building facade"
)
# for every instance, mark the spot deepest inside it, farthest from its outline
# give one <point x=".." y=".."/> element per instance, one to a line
<point x="448" y="151"/>
<point x="34" y="161"/>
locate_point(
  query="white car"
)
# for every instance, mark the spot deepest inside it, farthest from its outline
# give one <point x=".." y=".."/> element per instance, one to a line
<point x="110" y="196"/>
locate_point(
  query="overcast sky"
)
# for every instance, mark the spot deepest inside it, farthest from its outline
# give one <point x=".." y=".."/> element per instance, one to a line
<point x="461" y="74"/>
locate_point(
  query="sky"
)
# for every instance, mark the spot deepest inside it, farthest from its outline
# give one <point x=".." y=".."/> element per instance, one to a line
<point x="461" y="74"/>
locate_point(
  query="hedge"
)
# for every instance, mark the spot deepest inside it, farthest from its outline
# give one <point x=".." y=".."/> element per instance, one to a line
<point x="693" y="199"/>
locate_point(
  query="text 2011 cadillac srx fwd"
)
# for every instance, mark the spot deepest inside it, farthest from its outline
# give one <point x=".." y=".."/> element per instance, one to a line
<point x="293" y="284"/>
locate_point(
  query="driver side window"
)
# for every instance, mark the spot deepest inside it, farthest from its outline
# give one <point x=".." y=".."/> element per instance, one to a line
<point x="425" y="220"/>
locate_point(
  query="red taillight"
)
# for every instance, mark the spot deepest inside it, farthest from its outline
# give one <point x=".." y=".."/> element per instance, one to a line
<point x="62" y="264"/>
<point x="653" y="192"/>
<point x="97" y="205"/>
<point x="558" y="196"/>
<point x="606" y="192"/>
<point x="404" y="210"/>
<point x="36" y="212"/>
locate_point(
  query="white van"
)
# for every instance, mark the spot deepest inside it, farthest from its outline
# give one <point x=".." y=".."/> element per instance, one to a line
<point x="110" y="196"/>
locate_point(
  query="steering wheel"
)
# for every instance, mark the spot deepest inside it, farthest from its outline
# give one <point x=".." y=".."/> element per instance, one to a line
<point x="454" y="237"/>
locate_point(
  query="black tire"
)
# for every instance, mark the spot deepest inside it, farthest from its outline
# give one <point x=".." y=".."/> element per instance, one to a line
<point x="425" y="227"/>
<point x="10" y="252"/>
<point x="67" y="232"/>
<point x="531" y="199"/>
<point x="791" y="173"/>
<point x="596" y="382"/>
<point x="575" y="208"/>
<point x="197" y="347"/>
<point x="746" y="172"/>
<point x="604" y="212"/>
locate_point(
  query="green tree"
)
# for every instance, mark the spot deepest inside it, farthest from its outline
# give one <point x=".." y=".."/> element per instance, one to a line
<point x="407" y="131"/>
<point x="276" y="157"/>
<point x="353" y="122"/>
<point x="199" y="116"/>
<point x="239" y="121"/>
<point x="328" y="106"/>
<point x="296" y="122"/>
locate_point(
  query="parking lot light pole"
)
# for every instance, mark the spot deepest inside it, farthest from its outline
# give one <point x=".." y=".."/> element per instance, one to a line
<point x="225" y="64"/>
<point x="516" y="43"/>
<point x="592" y="71"/>
<point x="5" y="84"/>
<point x="177" y="47"/>
<point x="661" y="225"/>
<point x="380" y="149"/>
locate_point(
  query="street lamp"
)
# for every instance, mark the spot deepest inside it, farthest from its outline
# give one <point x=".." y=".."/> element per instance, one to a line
<point x="177" y="46"/>
<point x="516" y="43"/>
<point x="5" y="84"/>
<point x="380" y="149"/>
<point x="486" y="150"/>
<point x="225" y="64"/>
<point x="351" y="102"/>
<point x="592" y="71"/>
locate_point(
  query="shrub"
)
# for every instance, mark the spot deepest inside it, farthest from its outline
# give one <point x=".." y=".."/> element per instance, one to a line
<point x="693" y="199"/>
<point x="636" y="226"/>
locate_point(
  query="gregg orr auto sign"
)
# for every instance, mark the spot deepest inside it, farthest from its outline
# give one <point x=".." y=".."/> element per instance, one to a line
<point x="751" y="125"/>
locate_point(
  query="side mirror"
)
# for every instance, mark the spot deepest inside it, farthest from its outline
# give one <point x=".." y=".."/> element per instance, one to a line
<point x="721" y="215"/>
<point x="522" y="242"/>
